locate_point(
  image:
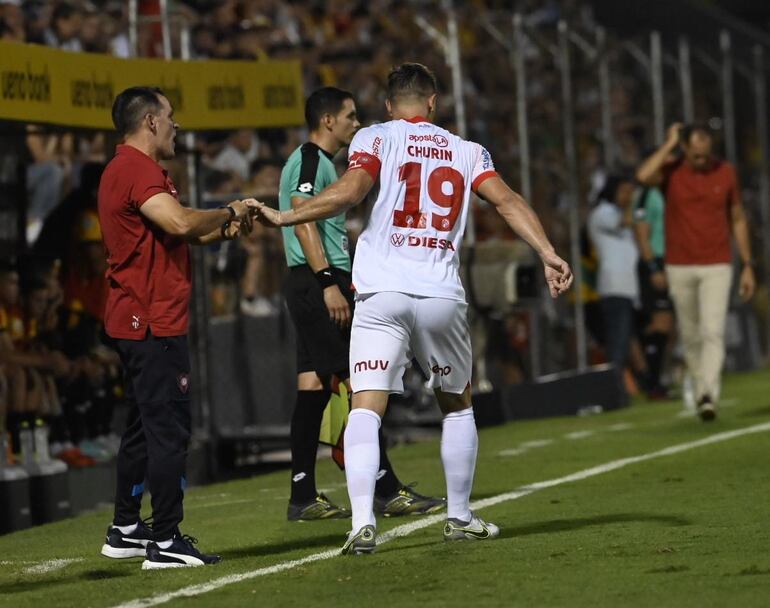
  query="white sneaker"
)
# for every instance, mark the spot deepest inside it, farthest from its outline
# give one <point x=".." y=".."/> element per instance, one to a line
<point x="475" y="529"/>
<point x="258" y="307"/>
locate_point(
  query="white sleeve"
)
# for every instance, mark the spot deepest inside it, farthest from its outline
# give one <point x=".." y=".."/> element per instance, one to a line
<point x="483" y="169"/>
<point x="365" y="150"/>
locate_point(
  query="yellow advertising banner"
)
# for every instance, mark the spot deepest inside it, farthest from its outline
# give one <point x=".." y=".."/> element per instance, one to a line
<point x="44" y="85"/>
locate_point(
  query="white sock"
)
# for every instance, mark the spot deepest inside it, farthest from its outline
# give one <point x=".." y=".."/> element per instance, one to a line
<point x="459" y="444"/>
<point x="362" y="460"/>
<point x="165" y="544"/>
<point x="126" y="529"/>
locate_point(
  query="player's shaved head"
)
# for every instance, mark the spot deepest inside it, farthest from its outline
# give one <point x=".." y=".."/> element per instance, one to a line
<point x="132" y="105"/>
<point x="411" y="80"/>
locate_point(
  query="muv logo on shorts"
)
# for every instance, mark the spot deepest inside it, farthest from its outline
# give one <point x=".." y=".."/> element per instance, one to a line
<point x="371" y="365"/>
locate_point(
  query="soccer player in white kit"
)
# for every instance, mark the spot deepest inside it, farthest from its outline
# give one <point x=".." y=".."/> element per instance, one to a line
<point x="410" y="302"/>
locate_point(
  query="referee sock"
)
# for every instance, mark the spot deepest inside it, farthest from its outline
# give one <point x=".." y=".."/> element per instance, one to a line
<point x="387" y="482"/>
<point x="655" y="350"/>
<point x="305" y="427"/>
<point x="459" y="444"/>
<point x="362" y="459"/>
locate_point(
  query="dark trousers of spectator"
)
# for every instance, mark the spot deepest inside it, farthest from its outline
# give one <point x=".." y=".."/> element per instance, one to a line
<point x="618" y="313"/>
<point x="154" y="445"/>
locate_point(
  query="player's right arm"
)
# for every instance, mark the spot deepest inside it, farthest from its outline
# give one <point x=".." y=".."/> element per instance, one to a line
<point x="523" y="221"/>
<point x="164" y="210"/>
<point x="343" y="194"/>
<point x="650" y="172"/>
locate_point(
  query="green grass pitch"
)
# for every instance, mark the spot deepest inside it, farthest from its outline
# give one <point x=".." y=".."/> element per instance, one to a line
<point x="686" y="529"/>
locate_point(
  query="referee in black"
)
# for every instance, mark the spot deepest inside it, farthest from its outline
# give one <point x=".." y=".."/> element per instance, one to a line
<point x="319" y="296"/>
<point x="147" y="234"/>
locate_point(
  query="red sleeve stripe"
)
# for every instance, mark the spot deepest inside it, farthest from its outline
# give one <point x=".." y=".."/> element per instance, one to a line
<point x="367" y="162"/>
<point x="481" y="179"/>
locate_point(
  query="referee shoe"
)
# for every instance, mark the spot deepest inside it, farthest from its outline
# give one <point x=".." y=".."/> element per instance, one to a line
<point x="318" y="508"/>
<point x="120" y="546"/>
<point x="407" y="502"/>
<point x="181" y="554"/>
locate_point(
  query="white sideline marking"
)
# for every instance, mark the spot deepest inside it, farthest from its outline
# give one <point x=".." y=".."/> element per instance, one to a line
<point x="525" y="447"/>
<point x="621" y="426"/>
<point x="424" y="522"/>
<point x="579" y="434"/>
<point x="50" y="565"/>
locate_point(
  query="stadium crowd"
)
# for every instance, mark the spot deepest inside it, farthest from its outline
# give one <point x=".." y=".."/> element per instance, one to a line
<point x="57" y="367"/>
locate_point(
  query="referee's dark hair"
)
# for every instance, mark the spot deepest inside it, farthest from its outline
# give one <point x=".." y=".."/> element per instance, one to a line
<point x="132" y="105"/>
<point x="411" y="80"/>
<point x="327" y="100"/>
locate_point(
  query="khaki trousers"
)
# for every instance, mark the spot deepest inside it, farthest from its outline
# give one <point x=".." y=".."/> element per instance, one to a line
<point x="701" y="294"/>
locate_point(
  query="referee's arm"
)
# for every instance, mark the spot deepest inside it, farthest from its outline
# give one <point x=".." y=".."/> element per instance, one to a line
<point x="310" y="240"/>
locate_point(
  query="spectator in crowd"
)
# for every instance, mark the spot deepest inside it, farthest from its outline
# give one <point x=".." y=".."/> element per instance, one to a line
<point x="610" y="230"/>
<point x="63" y="33"/>
<point x="241" y="150"/>
<point x="656" y="305"/>
<point x="703" y="206"/>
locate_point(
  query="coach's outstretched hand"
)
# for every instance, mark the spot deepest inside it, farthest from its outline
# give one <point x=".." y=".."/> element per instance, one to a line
<point x="558" y="274"/>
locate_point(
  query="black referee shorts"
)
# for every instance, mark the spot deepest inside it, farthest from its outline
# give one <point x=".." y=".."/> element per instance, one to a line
<point x="322" y="346"/>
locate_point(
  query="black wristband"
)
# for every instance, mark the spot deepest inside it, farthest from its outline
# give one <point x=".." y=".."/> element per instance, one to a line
<point x="325" y="277"/>
<point x="653" y="266"/>
<point x="231" y="210"/>
<point x="223" y="232"/>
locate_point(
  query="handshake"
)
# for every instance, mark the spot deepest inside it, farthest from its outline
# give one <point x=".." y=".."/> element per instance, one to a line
<point x="244" y="213"/>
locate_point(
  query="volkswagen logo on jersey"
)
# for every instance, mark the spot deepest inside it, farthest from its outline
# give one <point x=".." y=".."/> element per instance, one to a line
<point x="397" y="239"/>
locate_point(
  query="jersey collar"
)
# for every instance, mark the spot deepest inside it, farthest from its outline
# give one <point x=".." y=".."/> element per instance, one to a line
<point x="325" y="153"/>
<point x="416" y="119"/>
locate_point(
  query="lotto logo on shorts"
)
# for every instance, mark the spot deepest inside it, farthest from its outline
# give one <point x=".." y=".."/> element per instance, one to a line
<point x="371" y="365"/>
<point x="441" y="371"/>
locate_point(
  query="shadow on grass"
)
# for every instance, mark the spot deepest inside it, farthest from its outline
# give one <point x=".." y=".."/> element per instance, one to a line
<point x="761" y="412"/>
<point x="567" y="525"/>
<point x="50" y="582"/>
<point x="329" y="542"/>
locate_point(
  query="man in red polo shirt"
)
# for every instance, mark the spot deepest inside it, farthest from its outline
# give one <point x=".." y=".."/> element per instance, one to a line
<point x="703" y="206"/>
<point x="147" y="235"/>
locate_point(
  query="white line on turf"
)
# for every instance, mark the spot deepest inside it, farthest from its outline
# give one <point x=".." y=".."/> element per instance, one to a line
<point x="578" y="434"/>
<point x="430" y="520"/>
<point x="50" y="565"/>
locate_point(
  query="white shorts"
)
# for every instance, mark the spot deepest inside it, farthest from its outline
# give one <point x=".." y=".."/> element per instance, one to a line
<point x="391" y="328"/>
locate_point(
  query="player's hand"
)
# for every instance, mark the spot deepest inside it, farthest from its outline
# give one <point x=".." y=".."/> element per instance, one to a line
<point x="658" y="280"/>
<point x="238" y="228"/>
<point x="337" y="305"/>
<point x="747" y="283"/>
<point x="243" y="208"/>
<point x="267" y="216"/>
<point x="672" y="135"/>
<point x="558" y="274"/>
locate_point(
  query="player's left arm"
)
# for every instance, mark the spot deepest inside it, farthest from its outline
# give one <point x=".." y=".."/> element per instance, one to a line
<point x="747" y="281"/>
<point x="337" y="198"/>
<point x="524" y="221"/>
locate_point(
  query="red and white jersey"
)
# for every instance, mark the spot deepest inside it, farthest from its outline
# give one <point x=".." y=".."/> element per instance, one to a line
<point x="411" y="243"/>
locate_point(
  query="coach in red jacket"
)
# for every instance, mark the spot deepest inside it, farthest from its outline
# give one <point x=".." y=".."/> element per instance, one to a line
<point x="703" y="207"/>
<point x="147" y="233"/>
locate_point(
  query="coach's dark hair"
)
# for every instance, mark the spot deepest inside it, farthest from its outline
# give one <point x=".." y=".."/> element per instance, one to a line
<point x="327" y="100"/>
<point x="687" y="131"/>
<point x="132" y="105"/>
<point x="411" y="79"/>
